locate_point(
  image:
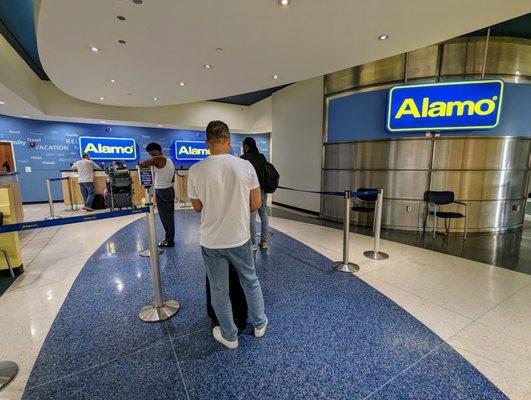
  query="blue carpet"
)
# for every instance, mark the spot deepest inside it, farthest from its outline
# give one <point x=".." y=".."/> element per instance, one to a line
<point x="331" y="336"/>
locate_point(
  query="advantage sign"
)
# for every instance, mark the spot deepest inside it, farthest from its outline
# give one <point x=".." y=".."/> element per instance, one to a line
<point x="145" y="176"/>
<point x="106" y="148"/>
<point x="445" y="106"/>
<point x="191" y="150"/>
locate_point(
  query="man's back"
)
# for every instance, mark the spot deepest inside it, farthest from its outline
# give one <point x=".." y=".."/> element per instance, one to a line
<point x="223" y="184"/>
<point x="85" y="170"/>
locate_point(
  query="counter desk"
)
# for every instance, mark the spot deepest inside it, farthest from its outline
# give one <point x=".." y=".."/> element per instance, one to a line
<point x="100" y="181"/>
<point x="12" y="213"/>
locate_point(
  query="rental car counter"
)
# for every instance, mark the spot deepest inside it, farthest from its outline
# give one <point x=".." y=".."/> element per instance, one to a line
<point x="11" y="208"/>
<point x="100" y="180"/>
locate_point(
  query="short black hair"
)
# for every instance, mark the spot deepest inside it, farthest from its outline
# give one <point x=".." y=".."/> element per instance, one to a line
<point x="153" y="146"/>
<point x="217" y="131"/>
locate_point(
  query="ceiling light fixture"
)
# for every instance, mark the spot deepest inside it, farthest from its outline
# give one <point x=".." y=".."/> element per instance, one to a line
<point x="284" y="2"/>
<point x="112" y="80"/>
<point x="103" y="122"/>
<point x="517" y="72"/>
<point x="121" y="17"/>
<point x="94" y="49"/>
<point x="207" y="66"/>
<point x="275" y="76"/>
<point x="102" y="98"/>
<point x="25" y="116"/>
<point x="160" y="126"/>
<point x="383" y="37"/>
<point x="2" y="102"/>
<point x="121" y="41"/>
<point x="155" y="99"/>
<point x="137" y="1"/>
<point x="182" y="83"/>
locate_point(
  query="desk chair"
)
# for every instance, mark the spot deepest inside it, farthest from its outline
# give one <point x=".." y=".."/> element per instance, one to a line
<point x="435" y="199"/>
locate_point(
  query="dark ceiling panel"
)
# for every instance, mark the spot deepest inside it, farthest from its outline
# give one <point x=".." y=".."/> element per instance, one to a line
<point x="517" y="27"/>
<point x="248" y="99"/>
<point x="17" y="25"/>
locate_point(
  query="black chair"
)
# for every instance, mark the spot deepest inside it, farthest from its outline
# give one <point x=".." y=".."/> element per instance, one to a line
<point x="435" y="199"/>
<point x="365" y="203"/>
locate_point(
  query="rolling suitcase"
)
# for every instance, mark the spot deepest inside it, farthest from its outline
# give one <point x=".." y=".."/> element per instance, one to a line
<point x="237" y="298"/>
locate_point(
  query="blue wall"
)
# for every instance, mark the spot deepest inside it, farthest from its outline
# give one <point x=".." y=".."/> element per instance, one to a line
<point x="48" y="147"/>
<point x="361" y="116"/>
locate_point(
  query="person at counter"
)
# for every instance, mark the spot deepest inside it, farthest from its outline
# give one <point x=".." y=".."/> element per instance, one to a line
<point x="85" y="170"/>
<point x="164" y="192"/>
<point x="6" y="166"/>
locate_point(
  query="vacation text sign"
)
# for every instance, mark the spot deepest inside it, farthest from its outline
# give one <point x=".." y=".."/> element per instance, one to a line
<point x="445" y="106"/>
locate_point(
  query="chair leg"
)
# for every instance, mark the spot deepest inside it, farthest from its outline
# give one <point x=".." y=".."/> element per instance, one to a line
<point x="466" y="226"/>
<point x="434" y="221"/>
<point x="448" y="228"/>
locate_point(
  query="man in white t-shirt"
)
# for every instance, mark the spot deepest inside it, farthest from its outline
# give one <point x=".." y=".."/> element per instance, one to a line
<point x="85" y="172"/>
<point x="225" y="189"/>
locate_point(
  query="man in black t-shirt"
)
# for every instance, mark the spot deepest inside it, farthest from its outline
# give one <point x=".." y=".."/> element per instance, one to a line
<point x="258" y="160"/>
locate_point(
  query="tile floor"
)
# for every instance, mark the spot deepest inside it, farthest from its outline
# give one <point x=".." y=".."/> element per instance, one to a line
<point x="480" y="310"/>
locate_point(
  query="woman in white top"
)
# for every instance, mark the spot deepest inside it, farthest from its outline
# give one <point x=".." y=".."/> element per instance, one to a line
<point x="164" y="192"/>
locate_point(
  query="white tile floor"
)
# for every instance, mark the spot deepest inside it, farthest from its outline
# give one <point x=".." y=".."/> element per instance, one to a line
<point x="482" y="311"/>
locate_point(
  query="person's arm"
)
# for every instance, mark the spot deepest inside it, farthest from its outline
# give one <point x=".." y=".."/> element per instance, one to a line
<point x="192" y="194"/>
<point x="73" y="167"/>
<point x="157" y="161"/>
<point x="255" y="199"/>
<point x="95" y="166"/>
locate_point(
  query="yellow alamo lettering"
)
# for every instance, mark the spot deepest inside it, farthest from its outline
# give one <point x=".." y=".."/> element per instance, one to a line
<point x="90" y="147"/>
<point x="442" y="109"/>
<point x="191" y="151"/>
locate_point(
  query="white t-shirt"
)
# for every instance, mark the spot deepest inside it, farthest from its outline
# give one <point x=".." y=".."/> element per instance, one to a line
<point x="85" y="170"/>
<point x="223" y="184"/>
<point x="164" y="175"/>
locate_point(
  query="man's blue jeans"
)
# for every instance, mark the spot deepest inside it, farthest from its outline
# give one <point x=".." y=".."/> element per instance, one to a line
<point x="262" y="211"/>
<point x="87" y="191"/>
<point x="217" y="266"/>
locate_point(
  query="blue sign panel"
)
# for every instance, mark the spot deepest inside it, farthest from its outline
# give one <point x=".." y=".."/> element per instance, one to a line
<point x="106" y="148"/>
<point x="191" y="150"/>
<point x="445" y="106"/>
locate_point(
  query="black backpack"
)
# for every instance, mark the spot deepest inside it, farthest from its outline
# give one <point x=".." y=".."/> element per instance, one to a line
<point x="271" y="177"/>
<point x="99" y="202"/>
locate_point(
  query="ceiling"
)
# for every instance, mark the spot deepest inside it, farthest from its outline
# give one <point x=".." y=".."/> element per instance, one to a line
<point x="246" y="42"/>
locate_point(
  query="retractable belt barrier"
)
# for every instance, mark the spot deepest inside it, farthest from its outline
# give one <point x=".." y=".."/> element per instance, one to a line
<point x="344" y="265"/>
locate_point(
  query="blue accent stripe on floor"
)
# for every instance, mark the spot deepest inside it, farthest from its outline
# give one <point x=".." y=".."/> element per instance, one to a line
<point x="331" y="336"/>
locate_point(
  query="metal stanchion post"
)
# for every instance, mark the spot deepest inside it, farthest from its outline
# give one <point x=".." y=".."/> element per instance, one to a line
<point x="376" y="254"/>
<point x="147" y="252"/>
<point x="345" y="265"/>
<point x="160" y="310"/>
<point x="50" y="201"/>
<point x="8" y="371"/>
<point x="70" y="196"/>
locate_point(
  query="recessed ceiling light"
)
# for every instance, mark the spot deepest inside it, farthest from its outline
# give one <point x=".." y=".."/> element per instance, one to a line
<point x="160" y="126"/>
<point x="121" y="41"/>
<point x="102" y="98"/>
<point x="137" y="1"/>
<point x="383" y="37"/>
<point x="155" y="98"/>
<point x="94" y="49"/>
<point x="112" y="80"/>
<point x="207" y="66"/>
<point x="219" y="49"/>
<point x="103" y="122"/>
<point x="275" y="76"/>
<point x="2" y="102"/>
<point x="517" y="72"/>
<point x="182" y="83"/>
<point x="121" y="17"/>
<point x="284" y="2"/>
<point x="25" y="116"/>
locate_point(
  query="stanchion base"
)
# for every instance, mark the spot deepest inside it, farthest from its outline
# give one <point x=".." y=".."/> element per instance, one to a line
<point x="375" y="255"/>
<point x="56" y="217"/>
<point x="345" y="267"/>
<point x="156" y="314"/>
<point x="8" y="371"/>
<point x="146" y="253"/>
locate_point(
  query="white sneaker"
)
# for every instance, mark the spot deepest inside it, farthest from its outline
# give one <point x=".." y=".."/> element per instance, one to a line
<point x="217" y="335"/>
<point x="255" y="247"/>
<point x="260" y="332"/>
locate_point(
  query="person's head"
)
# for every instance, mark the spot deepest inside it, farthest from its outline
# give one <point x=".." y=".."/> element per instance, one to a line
<point x="86" y="156"/>
<point x="218" y="137"/>
<point x="249" y="145"/>
<point x="154" y="149"/>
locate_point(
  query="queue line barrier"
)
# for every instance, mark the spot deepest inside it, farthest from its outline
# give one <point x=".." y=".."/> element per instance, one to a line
<point x="375" y="254"/>
<point x="50" y="200"/>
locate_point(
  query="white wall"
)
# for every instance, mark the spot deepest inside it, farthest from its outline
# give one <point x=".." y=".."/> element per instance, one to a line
<point x="297" y="115"/>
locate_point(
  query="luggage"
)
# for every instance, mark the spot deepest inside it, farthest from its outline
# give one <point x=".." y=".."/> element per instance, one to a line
<point x="119" y="200"/>
<point x="99" y="202"/>
<point x="237" y="298"/>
